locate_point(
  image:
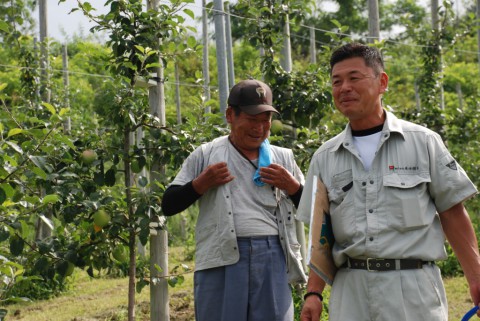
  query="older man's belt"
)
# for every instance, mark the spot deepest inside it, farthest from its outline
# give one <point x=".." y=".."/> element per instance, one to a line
<point x="378" y="265"/>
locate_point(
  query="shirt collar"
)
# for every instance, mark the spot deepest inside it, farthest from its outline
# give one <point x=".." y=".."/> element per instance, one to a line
<point x="392" y="125"/>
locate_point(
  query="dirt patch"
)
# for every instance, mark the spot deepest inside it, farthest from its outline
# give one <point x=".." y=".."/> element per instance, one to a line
<point x="182" y="307"/>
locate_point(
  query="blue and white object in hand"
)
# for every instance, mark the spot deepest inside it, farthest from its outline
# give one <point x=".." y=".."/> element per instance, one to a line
<point x="264" y="159"/>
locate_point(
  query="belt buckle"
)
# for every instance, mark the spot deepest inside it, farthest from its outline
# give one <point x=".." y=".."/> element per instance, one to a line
<point x="368" y="264"/>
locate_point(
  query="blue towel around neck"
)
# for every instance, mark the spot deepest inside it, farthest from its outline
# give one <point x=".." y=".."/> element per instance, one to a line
<point x="264" y="159"/>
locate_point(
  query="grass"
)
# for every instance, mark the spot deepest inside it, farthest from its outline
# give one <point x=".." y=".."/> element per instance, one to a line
<point x="458" y="295"/>
<point x="105" y="299"/>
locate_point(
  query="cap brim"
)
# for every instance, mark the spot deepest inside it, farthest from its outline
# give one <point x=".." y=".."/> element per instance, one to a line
<point x="258" y="109"/>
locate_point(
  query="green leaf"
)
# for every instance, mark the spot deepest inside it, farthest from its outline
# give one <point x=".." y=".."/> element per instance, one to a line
<point x="99" y="178"/>
<point x="87" y="7"/>
<point x="189" y="13"/>
<point x="17" y="196"/>
<point x="135" y="166"/>
<point x="39" y="161"/>
<point x="191" y="41"/>
<point x="90" y="271"/>
<point x="110" y="177"/>
<point x="140" y="285"/>
<point x="3" y="196"/>
<point x="51" y="199"/>
<point x="40" y="172"/>
<point x="64" y="111"/>
<point x="44" y="247"/>
<point x="3" y="85"/>
<point x="152" y="65"/>
<point x="61" y="268"/>
<point x="158" y="268"/>
<point x="4" y="234"/>
<point x="17" y="148"/>
<point x="14" y="131"/>
<point x="8" y="189"/>
<point x="16" y="245"/>
<point x="140" y="48"/>
<point x="41" y="264"/>
<point x="50" y="108"/>
<point x="32" y="199"/>
<point x="172" y="281"/>
<point x="4" y="26"/>
<point x="66" y="141"/>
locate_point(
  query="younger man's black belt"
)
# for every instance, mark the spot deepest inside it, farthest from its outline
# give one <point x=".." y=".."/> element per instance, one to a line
<point x="378" y="265"/>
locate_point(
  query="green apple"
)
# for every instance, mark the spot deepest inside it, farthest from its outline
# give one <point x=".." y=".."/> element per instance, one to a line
<point x="276" y="127"/>
<point x="70" y="269"/>
<point x="120" y="253"/>
<point x="101" y="218"/>
<point x="64" y="268"/>
<point x="88" y="156"/>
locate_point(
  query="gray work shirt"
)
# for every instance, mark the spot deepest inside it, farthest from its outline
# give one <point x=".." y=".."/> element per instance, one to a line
<point x="391" y="210"/>
<point x="215" y="232"/>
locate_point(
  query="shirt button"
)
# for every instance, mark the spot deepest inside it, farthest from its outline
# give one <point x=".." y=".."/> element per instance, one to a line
<point x="371" y="182"/>
<point x="231" y="231"/>
<point x="235" y="248"/>
<point x="371" y="238"/>
<point x="370" y="211"/>
<point x="229" y="213"/>
<point x="364" y="183"/>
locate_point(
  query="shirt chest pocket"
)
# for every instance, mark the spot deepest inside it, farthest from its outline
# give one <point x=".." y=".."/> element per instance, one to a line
<point x="340" y="185"/>
<point x="342" y="210"/>
<point x="408" y="205"/>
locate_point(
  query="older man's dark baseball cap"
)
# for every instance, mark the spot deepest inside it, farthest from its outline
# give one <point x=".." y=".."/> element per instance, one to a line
<point x="252" y="97"/>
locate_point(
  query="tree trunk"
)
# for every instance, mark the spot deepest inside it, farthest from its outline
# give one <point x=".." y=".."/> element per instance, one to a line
<point x="131" y="224"/>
